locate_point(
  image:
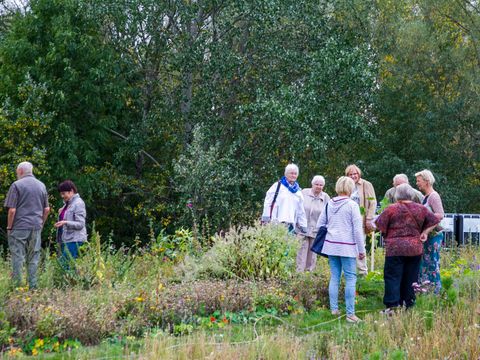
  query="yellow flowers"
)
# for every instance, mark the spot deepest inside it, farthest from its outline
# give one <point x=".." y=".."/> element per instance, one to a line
<point x="15" y="352"/>
<point x="139" y="299"/>
<point x="39" y="343"/>
<point x="389" y="59"/>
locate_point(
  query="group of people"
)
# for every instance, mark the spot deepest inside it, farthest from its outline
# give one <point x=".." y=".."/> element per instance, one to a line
<point x="28" y="209"/>
<point x="409" y="226"/>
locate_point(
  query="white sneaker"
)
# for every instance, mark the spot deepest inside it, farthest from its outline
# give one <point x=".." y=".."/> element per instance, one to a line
<point x="353" y="319"/>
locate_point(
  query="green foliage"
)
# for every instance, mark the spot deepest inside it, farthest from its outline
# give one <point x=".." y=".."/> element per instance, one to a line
<point x="47" y="345"/>
<point x="6" y="331"/>
<point x="428" y="96"/>
<point x="151" y="106"/>
<point x="251" y="253"/>
<point x="174" y="246"/>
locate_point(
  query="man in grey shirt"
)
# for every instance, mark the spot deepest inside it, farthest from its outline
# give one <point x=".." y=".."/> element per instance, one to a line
<point x="398" y="180"/>
<point x="27" y="203"/>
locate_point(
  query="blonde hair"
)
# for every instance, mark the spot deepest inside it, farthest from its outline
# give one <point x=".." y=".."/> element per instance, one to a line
<point x="344" y="186"/>
<point x="427" y="176"/>
<point x="355" y="168"/>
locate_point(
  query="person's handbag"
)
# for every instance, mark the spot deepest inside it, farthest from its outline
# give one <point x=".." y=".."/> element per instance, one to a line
<point x="317" y="246"/>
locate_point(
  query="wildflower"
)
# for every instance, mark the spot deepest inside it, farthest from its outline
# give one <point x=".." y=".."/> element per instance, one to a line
<point x="139" y="299"/>
<point x="14" y="351"/>
<point x="212" y="319"/>
<point x="225" y="320"/>
<point x="27" y="299"/>
<point x="39" y="343"/>
<point x="189" y="204"/>
<point x="34" y="352"/>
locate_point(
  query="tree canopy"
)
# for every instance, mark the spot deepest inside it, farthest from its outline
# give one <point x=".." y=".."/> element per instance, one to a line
<point x="183" y="113"/>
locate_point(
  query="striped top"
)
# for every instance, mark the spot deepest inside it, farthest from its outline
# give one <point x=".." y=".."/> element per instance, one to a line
<point x="345" y="236"/>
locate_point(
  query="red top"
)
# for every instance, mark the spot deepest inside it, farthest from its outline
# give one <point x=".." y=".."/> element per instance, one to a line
<point x="401" y="225"/>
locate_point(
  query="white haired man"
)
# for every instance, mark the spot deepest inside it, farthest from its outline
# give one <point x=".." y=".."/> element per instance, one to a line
<point x="284" y="202"/>
<point x="398" y="180"/>
<point x="27" y="203"/>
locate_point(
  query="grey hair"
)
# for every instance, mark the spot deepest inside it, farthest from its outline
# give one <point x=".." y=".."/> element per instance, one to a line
<point x="291" y="167"/>
<point x="401" y="177"/>
<point x="26" y="167"/>
<point x="318" y="179"/>
<point x="404" y="192"/>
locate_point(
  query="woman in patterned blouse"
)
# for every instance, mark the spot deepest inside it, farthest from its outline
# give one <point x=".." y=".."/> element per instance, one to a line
<point x="405" y="226"/>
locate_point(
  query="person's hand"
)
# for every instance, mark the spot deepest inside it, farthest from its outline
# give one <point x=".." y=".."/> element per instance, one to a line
<point x="361" y="256"/>
<point x="60" y="223"/>
<point x="369" y="227"/>
<point x="423" y="237"/>
<point x="265" y="220"/>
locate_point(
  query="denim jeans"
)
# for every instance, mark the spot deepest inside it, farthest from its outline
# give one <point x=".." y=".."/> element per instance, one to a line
<point x="349" y="267"/>
<point x="70" y="249"/>
<point x="69" y="252"/>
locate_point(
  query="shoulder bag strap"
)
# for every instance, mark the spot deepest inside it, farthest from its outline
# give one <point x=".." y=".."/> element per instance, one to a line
<point x="275" y="198"/>
<point x="413" y="217"/>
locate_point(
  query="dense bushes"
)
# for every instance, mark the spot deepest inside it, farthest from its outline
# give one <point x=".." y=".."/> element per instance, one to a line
<point x="249" y="253"/>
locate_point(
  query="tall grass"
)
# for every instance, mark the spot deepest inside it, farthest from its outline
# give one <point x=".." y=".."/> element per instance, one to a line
<point x="435" y="328"/>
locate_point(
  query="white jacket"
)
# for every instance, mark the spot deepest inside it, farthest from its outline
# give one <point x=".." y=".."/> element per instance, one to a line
<point x="288" y="207"/>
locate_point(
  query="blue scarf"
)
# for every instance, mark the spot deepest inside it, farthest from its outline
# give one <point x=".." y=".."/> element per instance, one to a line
<point x="292" y="188"/>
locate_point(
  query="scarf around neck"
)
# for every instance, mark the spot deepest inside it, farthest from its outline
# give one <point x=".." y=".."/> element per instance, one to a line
<point x="292" y="188"/>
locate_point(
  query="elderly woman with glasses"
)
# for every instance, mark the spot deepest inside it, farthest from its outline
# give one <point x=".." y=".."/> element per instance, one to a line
<point x="364" y="195"/>
<point x="284" y="202"/>
<point x="314" y="203"/>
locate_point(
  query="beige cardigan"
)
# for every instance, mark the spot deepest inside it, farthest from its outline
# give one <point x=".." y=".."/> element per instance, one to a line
<point x="313" y="208"/>
<point x="367" y="199"/>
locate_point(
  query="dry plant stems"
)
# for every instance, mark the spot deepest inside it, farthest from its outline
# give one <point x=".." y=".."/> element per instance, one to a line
<point x="451" y="333"/>
<point x="135" y="292"/>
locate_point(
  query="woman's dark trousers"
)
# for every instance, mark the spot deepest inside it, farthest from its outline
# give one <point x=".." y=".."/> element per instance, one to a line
<point x="400" y="272"/>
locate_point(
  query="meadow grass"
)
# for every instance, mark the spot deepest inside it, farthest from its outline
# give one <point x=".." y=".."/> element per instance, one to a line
<point x="446" y="326"/>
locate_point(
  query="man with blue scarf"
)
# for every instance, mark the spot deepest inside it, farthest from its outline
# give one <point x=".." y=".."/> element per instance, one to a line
<point x="284" y="202"/>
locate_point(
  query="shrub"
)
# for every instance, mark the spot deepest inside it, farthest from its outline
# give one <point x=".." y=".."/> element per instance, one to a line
<point x="71" y="314"/>
<point x="250" y="253"/>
